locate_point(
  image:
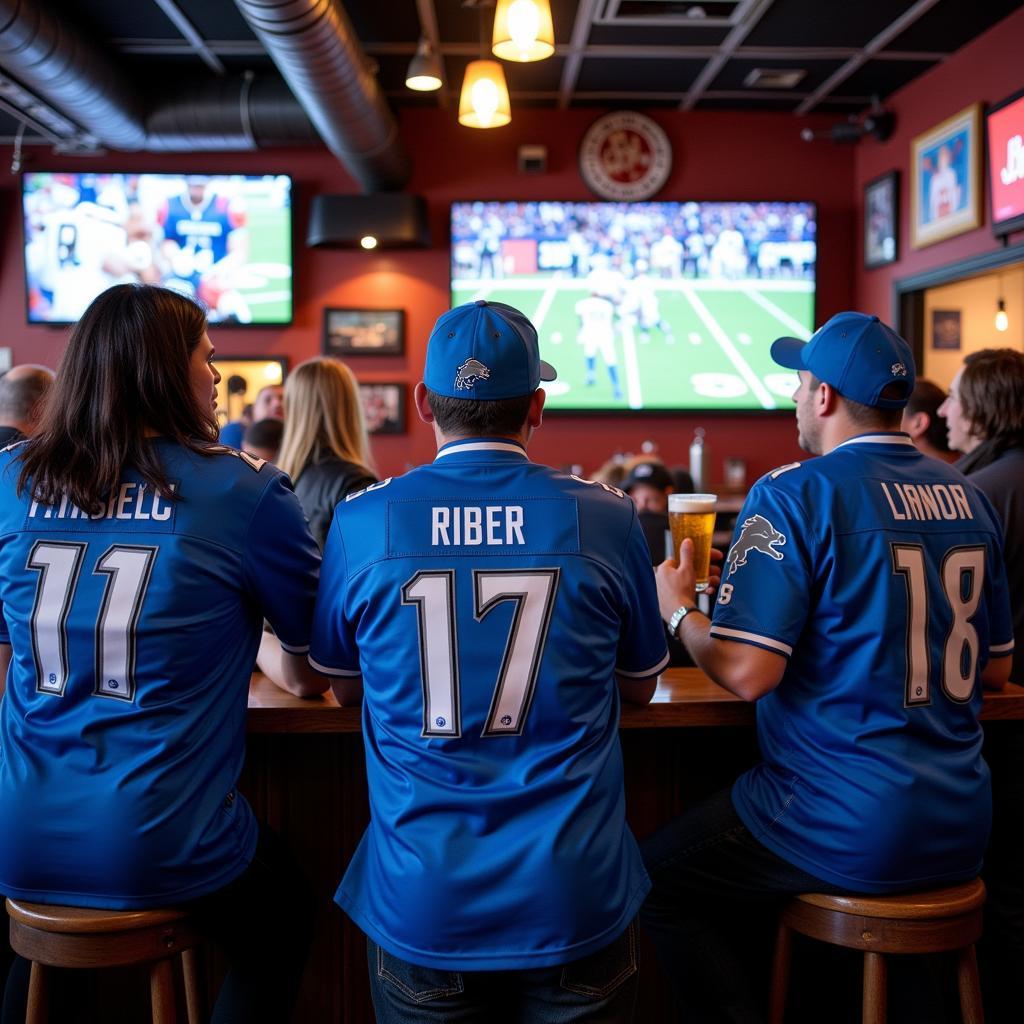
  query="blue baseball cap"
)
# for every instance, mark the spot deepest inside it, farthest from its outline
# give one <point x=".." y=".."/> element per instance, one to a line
<point x="484" y="351"/>
<point x="857" y="354"/>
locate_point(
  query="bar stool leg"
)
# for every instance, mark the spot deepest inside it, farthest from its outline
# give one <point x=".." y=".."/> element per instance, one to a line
<point x="38" y="996"/>
<point x="970" y="992"/>
<point x="161" y="993"/>
<point x="874" y="1011"/>
<point x="193" y="989"/>
<point x="780" y="975"/>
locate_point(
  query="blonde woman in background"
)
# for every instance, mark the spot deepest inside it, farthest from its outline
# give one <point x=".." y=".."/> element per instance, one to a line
<point x="325" y="448"/>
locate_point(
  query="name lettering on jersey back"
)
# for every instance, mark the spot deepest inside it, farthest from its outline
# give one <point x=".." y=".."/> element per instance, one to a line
<point x="927" y="501"/>
<point x="472" y="524"/>
<point x="484" y="526"/>
<point x="131" y="501"/>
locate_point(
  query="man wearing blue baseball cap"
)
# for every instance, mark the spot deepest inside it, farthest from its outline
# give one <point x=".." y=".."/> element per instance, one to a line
<point x="490" y="611"/>
<point x="863" y="606"/>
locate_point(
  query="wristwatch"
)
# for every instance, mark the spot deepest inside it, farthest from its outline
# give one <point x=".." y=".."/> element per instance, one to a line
<point x="677" y="617"/>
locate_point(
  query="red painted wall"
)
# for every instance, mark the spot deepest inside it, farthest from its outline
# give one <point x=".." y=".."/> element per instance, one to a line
<point x="717" y="156"/>
<point x="985" y="71"/>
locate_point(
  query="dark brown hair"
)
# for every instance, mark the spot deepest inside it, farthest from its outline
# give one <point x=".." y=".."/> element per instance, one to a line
<point x="125" y="371"/>
<point x="992" y="393"/>
<point x="470" y="417"/>
<point x="927" y="397"/>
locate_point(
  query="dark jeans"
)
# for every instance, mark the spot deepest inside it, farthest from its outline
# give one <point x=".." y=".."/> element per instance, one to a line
<point x="263" y="922"/>
<point x="598" y="989"/>
<point x="712" y="907"/>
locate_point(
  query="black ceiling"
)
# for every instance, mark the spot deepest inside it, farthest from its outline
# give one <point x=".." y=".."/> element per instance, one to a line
<point x="645" y="53"/>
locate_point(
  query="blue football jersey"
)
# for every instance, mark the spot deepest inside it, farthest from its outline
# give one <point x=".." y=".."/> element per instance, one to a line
<point x="133" y="634"/>
<point x="488" y="604"/>
<point x="878" y="573"/>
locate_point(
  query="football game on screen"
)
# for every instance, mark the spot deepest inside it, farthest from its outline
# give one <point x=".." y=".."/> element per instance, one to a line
<point x="654" y="306"/>
<point x="223" y="239"/>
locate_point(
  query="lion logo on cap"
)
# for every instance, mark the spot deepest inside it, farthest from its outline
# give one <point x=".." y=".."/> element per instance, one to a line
<point x="757" y="535"/>
<point x="471" y="371"/>
<point x="898" y="369"/>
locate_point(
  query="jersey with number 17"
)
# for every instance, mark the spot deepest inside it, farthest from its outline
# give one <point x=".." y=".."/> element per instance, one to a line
<point x="134" y="632"/>
<point x="488" y="603"/>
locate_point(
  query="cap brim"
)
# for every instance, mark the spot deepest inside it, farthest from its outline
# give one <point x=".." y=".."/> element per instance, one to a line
<point x="788" y="352"/>
<point x="547" y="371"/>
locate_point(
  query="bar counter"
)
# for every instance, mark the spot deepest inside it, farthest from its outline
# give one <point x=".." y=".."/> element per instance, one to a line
<point x="305" y="776"/>
<point x="685" y="698"/>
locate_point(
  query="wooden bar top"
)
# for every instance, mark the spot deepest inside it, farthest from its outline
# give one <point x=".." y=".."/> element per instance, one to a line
<point x="685" y="698"/>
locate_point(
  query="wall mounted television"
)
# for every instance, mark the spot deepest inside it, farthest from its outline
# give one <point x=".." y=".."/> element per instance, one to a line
<point x="1004" y="135"/>
<point x="657" y="306"/>
<point x="225" y="239"/>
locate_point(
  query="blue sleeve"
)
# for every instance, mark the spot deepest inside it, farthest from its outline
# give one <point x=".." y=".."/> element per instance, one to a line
<point x="231" y="434"/>
<point x="281" y="564"/>
<point x="333" y="648"/>
<point x="766" y="586"/>
<point x="643" y="651"/>
<point x="997" y="602"/>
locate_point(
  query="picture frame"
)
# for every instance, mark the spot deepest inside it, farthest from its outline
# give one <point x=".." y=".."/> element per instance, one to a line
<point x="882" y="220"/>
<point x="383" y="406"/>
<point x="363" y="332"/>
<point x="946" y="182"/>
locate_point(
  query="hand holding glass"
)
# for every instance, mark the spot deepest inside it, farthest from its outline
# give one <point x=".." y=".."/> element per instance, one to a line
<point x="693" y="516"/>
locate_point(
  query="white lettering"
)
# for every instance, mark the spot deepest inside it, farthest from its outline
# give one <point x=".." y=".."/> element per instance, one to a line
<point x="514" y="524"/>
<point x="474" y="533"/>
<point x="493" y="511"/>
<point x="439" y="525"/>
<point x="1014" y="169"/>
<point x="123" y="500"/>
<point x="888" y="498"/>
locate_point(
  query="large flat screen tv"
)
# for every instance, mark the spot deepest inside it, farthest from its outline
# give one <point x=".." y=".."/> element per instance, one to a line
<point x="648" y="306"/>
<point x="225" y="239"/>
<point x="1004" y="134"/>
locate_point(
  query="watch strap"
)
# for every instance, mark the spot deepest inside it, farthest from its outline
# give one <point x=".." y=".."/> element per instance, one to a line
<point x="675" y="621"/>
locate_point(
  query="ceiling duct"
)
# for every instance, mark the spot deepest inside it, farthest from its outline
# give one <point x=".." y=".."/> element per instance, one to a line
<point x="48" y="57"/>
<point x="315" y="48"/>
<point x="235" y="113"/>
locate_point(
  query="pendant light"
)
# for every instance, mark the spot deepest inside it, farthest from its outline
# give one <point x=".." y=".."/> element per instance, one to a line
<point x="484" y="101"/>
<point x="1002" y="320"/>
<point x="522" y="30"/>
<point x="425" y="73"/>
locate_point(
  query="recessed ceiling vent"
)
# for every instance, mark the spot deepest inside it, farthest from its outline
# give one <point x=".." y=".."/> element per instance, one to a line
<point x="774" y="78"/>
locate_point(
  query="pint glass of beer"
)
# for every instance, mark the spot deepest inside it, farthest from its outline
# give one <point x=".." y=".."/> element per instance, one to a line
<point x="693" y="516"/>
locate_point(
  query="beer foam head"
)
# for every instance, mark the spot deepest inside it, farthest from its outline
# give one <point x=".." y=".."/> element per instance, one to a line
<point x="692" y="503"/>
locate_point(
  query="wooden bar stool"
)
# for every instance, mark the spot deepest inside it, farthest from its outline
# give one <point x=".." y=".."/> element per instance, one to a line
<point x="55" y="936"/>
<point x="936" y="921"/>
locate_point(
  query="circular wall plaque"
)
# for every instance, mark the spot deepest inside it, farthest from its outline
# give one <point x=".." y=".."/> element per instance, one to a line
<point x="625" y="156"/>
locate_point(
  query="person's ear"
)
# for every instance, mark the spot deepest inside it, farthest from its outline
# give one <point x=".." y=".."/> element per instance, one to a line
<point x="917" y="424"/>
<point x="536" y="414"/>
<point x="826" y="399"/>
<point x="423" y="410"/>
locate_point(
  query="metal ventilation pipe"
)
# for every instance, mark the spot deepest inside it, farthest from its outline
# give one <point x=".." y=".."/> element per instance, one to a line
<point x="315" y="48"/>
<point x="234" y="113"/>
<point x="40" y="51"/>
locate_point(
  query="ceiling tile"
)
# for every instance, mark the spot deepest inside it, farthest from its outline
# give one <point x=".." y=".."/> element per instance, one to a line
<point x="824" y="22"/>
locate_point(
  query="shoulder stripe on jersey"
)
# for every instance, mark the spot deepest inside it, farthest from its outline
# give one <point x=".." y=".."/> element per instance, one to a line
<point x="480" y="446"/>
<point x="327" y="671"/>
<point x="652" y="671"/>
<point x="751" y="638"/>
<point x="292" y="649"/>
<point x="1000" y="648"/>
<point x="903" y="439"/>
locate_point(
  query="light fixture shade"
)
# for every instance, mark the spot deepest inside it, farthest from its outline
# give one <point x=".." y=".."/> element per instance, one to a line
<point x="425" y="72"/>
<point x="523" y="30"/>
<point x="484" y="101"/>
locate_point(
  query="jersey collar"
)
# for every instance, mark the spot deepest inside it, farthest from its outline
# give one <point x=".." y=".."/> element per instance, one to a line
<point x="482" y="447"/>
<point x="897" y="437"/>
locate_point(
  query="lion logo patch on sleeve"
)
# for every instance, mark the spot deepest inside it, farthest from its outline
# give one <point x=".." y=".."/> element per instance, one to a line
<point x="757" y="534"/>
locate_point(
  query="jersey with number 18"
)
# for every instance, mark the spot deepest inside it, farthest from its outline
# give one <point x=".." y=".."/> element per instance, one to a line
<point x="134" y="633"/>
<point x="488" y="603"/>
<point x="878" y="573"/>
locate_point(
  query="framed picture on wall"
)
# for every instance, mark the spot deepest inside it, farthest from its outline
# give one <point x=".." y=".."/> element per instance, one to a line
<point x="945" y="184"/>
<point x="881" y="220"/>
<point x="242" y="379"/>
<point x="371" y="332"/>
<point x="384" y="406"/>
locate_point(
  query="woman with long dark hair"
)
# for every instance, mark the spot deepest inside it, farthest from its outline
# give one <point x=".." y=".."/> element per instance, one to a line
<point x="138" y="560"/>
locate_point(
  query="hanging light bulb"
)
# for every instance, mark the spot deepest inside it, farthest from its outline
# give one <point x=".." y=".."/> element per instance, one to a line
<point x="1002" y="320"/>
<point x="523" y="30"/>
<point x="484" y="101"/>
<point x="425" y="72"/>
